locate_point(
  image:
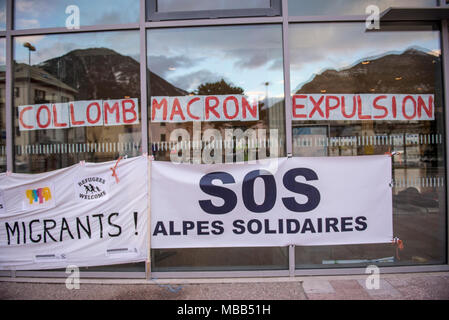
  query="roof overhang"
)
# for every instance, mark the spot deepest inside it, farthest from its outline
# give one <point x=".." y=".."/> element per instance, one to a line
<point x="412" y="14"/>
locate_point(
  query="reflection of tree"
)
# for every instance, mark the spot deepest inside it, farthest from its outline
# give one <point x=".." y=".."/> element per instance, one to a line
<point x="219" y="87"/>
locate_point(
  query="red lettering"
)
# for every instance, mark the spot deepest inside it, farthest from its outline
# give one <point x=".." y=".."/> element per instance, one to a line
<point x="72" y="117"/>
<point x="404" y="102"/>
<point x="343" y="107"/>
<point x="361" y="115"/>
<point x="89" y="119"/>
<point x="176" y="110"/>
<point x="21" y="117"/>
<point x="316" y="106"/>
<point x="108" y="109"/>
<point x="422" y="105"/>
<point x="298" y="106"/>
<point x="155" y="105"/>
<point x="328" y="105"/>
<point x="394" y="108"/>
<point x="55" y="119"/>
<point x="131" y="109"/>
<point x="225" y="109"/>
<point x="188" y="108"/>
<point x="211" y="108"/>
<point x="38" y="118"/>
<point x="251" y="108"/>
<point x="379" y="107"/>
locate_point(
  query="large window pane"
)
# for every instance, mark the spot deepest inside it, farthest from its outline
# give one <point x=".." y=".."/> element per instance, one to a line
<point x="349" y="7"/>
<point x="335" y="59"/>
<point x="211" y="259"/>
<point x="76" y="97"/>
<point x="240" y="61"/>
<point x="30" y="14"/>
<point x="2" y="105"/>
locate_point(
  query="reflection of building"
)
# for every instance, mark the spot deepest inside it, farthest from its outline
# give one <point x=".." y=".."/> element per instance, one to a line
<point x="32" y="85"/>
<point x="89" y="74"/>
<point x="44" y="87"/>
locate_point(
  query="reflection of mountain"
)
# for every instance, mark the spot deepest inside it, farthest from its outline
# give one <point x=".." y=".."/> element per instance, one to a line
<point x="101" y="73"/>
<point x="160" y="87"/>
<point x="413" y="71"/>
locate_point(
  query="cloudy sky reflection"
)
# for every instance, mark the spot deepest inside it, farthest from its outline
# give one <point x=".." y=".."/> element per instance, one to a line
<point x="246" y="56"/>
<point x="50" y="13"/>
<point x="52" y="46"/>
<point x="318" y="47"/>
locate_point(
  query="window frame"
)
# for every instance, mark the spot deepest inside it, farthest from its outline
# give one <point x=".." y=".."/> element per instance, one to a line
<point x="153" y="15"/>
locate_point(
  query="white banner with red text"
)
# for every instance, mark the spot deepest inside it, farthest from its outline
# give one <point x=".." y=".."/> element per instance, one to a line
<point x="82" y="215"/>
<point x="357" y="107"/>
<point x="277" y="202"/>
<point x="205" y="108"/>
<point x="88" y="113"/>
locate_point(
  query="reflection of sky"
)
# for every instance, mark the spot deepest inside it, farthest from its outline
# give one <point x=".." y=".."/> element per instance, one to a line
<point x="2" y="14"/>
<point x="183" y="5"/>
<point x="317" y="47"/>
<point x="51" y="13"/>
<point x="2" y="51"/>
<point x="52" y="46"/>
<point x="348" y="7"/>
<point x="246" y="56"/>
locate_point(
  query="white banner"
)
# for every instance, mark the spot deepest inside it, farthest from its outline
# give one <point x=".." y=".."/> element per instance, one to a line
<point x="2" y="205"/>
<point x="356" y="107"/>
<point x="204" y="108"/>
<point x="280" y="202"/>
<point x="79" y="114"/>
<point x="78" y="216"/>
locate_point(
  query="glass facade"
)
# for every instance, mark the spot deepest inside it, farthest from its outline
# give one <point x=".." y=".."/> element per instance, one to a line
<point x="194" y="62"/>
<point x="242" y="60"/>
<point x="341" y="59"/>
<point x="77" y="95"/>
<point x="77" y="70"/>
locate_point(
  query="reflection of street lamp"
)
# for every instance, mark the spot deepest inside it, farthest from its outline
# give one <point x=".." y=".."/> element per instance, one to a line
<point x="266" y="93"/>
<point x="30" y="48"/>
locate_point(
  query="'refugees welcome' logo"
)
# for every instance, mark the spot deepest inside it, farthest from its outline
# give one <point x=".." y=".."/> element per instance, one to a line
<point x="92" y="188"/>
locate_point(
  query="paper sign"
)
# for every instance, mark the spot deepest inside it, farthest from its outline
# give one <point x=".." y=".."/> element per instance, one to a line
<point x="204" y="108"/>
<point x="360" y="107"/>
<point x="79" y="114"/>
